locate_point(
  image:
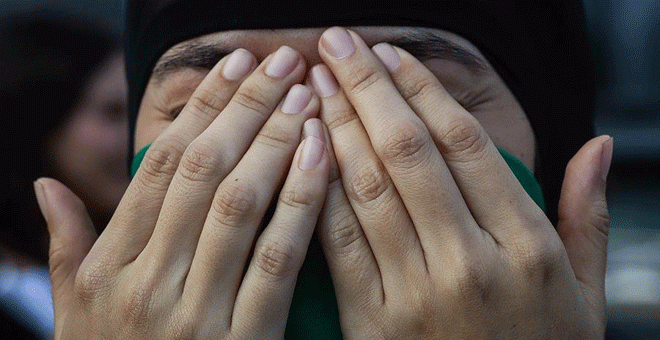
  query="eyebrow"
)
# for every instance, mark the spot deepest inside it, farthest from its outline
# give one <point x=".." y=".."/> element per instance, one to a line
<point x="195" y="55"/>
<point x="425" y="45"/>
<point x="421" y="44"/>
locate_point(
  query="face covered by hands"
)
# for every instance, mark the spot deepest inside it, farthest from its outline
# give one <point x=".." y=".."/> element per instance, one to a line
<point x="427" y="233"/>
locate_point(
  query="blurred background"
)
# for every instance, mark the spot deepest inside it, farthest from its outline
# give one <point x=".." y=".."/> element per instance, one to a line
<point x="625" y="37"/>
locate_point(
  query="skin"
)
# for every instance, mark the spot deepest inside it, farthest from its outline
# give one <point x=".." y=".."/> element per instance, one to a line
<point x="486" y="95"/>
<point x="427" y="232"/>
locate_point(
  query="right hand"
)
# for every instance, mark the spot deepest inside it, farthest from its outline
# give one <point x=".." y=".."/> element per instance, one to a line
<point x="172" y="261"/>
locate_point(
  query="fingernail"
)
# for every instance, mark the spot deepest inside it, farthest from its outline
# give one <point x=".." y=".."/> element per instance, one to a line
<point x="297" y="99"/>
<point x="238" y="65"/>
<point x="338" y="42"/>
<point x="283" y="62"/>
<point x="313" y="145"/>
<point x="323" y="81"/>
<point x="387" y="55"/>
<point x="40" y="192"/>
<point x="606" y="158"/>
<point x="313" y="127"/>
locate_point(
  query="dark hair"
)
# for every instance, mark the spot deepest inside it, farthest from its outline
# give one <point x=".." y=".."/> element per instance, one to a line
<point x="47" y="59"/>
<point x="540" y="50"/>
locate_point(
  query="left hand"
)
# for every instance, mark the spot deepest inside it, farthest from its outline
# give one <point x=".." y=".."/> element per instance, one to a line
<point x="428" y="234"/>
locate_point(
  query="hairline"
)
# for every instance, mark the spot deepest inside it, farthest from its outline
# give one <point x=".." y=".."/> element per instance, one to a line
<point x="424" y="44"/>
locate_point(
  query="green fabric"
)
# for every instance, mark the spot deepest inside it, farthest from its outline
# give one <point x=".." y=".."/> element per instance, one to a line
<point x="137" y="160"/>
<point x="314" y="313"/>
<point x="525" y="177"/>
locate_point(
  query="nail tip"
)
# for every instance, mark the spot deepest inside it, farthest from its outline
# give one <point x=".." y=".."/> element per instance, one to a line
<point x="311" y="153"/>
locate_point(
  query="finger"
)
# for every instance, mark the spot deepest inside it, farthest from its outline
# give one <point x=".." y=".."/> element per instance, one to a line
<point x="491" y="191"/>
<point x="239" y="206"/>
<point x="367" y="185"/>
<point x="132" y="224"/>
<point x="354" y="271"/>
<point x="403" y="143"/>
<point x="214" y="154"/>
<point x="72" y="235"/>
<point x="583" y="216"/>
<point x="264" y="298"/>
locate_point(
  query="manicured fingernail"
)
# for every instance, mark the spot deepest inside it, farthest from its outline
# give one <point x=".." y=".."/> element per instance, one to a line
<point x="41" y="198"/>
<point x="238" y="65"/>
<point x="387" y="55"/>
<point x="312" y="146"/>
<point x="338" y="42"/>
<point x="283" y="62"/>
<point x="323" y="81"/>
<point x="297" y="99"/>
<point x="606" y="158"/>
<point x="313" y="127"/>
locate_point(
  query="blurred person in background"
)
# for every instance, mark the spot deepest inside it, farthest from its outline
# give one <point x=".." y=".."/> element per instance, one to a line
<point x="63" y="99"/>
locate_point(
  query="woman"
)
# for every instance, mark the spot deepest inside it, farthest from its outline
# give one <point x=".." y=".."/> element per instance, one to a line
<point x="63" y="102"/>
<point x="428" y="232"/>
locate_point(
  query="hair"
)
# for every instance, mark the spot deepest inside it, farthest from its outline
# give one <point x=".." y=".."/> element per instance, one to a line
<point x="539" y="49"/>
<point x="47" y="59"/>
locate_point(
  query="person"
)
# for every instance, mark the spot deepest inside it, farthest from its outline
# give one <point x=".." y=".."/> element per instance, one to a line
<point x="63" y="98"/>
<point x="428" y="225"/>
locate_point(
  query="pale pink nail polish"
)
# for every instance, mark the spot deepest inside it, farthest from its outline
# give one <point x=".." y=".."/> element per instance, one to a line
<point x="323" y="81"/>
<point x="313" y="127"/>
<point x="388" y="55"/>
<point x="338" y="42"/>
<point x="297" y="99"/>
<point x="284" y="61"/>
<point x="238" y="65"/>
<point x="313" y="145"/>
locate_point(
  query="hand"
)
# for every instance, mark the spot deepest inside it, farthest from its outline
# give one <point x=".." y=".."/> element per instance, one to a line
<point x="428" y="234"/>
<point x="171" y="263"/>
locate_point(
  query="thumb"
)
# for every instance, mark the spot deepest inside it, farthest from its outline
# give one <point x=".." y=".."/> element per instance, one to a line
<point x="583" y="216"/>
<point x="72" y="235"/>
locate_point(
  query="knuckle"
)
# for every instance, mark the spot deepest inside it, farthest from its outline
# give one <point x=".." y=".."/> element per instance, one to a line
<point x="199" y="163"/>
<point x="91" y="283"/>
<point x="59" y="260"/>
<point x="538" y="260"/>
<point x="368" y="184"/>
<point x="298" y="196"/>
<point x="206" y="103"/>
<point x="234" y="204"/>
<point x="345" y="235"/>
<point x="363" y="79"/>
<point x="469" y="280"/>
<point x="405" y="146"/>
<point x="274" y="259"/>
<point x="136" y="304"/>
<point x="418" y="89"/>
<point x="463" y="137"/>
<point x="416" y="314"/>
<point x="600" y="217"/>
<point x="183" y="327"/>
<point x="160" y="162"/>
<point x="277" y="137"/>
<point x="253" y="99"/>
<point x="336" y="117"/>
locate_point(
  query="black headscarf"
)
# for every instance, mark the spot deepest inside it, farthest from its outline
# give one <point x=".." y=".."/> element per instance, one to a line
<point x="539" y="48"/>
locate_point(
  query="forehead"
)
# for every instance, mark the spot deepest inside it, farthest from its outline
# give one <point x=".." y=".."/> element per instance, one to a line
<point x="424" y="43"/>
